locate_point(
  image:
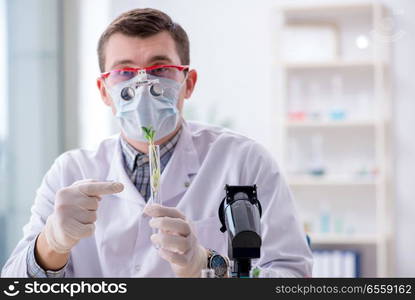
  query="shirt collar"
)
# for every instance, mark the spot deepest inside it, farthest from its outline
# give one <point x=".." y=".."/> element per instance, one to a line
<point x="134" y="158"/>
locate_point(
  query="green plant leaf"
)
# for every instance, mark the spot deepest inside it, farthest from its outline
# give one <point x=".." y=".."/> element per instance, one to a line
<point x="149" y="134"/>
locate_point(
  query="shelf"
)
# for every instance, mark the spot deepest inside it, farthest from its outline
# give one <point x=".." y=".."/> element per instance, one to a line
<point x="329" y="65"/>
<point x="342" y="239"/>
<point x="329" y="124"/>
<point x="312" y="181"/>
<point x="339" y="8"/>
<point x="373" y="182"/>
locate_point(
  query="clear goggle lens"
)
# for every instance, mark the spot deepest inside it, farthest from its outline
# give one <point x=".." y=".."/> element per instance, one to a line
<point x="169" y="72"/>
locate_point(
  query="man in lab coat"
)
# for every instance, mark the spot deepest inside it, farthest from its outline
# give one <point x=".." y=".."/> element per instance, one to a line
<point x="91" y="216"/>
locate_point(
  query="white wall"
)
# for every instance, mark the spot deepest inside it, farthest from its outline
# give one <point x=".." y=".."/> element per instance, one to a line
<point x="231" y="47"/>
<point x="95" y="116"/>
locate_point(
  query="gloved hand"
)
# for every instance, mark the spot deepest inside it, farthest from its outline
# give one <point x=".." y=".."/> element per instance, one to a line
<point x="177" y="241"/>
<point x="75" y="213"/>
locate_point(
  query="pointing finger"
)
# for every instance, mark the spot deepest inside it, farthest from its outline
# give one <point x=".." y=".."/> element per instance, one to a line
<point x="92" y="189"/>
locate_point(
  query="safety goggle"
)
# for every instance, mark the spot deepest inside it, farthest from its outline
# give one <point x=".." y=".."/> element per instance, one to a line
<point x="172" y="72"/>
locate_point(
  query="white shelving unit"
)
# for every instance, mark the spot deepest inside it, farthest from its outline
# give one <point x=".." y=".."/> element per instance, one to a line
<point x="355" y="180"/>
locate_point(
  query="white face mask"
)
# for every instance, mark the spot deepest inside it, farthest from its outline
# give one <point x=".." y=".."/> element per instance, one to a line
<point x="147" y="101"/>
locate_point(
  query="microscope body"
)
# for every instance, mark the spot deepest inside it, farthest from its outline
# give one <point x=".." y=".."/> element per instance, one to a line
<point x="240" y="214"/>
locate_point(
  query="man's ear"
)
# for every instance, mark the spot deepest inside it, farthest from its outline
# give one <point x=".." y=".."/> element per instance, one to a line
<point x="103" y="91"/>
<point x="190" y="83"/>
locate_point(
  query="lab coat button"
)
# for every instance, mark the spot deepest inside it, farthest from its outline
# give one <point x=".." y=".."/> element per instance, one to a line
<point x="186" y="184"/>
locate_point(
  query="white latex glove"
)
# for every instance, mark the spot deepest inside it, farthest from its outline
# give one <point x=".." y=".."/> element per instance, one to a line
<point x="176" y="241"/>
<point x="75" y="213"/>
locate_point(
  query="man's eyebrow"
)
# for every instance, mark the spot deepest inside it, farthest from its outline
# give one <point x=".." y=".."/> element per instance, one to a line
<point x="159" y="58"/>
<point x="152" y="60"/>
<point x="122" y="62"/>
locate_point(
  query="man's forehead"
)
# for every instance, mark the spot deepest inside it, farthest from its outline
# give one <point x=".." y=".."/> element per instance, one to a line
<point x="135" y="51"/>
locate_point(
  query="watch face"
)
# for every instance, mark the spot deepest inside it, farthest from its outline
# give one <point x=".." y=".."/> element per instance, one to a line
<point x="218" y="263"/>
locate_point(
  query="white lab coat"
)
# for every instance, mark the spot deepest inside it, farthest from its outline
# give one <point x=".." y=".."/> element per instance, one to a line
<point x="205" y="159"/>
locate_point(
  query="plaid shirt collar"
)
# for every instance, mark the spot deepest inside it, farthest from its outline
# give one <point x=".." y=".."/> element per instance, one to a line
<point x="135" y="158"/>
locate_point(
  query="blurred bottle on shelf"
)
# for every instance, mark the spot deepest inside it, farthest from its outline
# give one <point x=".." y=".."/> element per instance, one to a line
<point x="296" y="110"/>
<point x="316" y="102"/>
<point x="363" y="110"/>
<point x="338" y="224"/>
<point x="349" y="225"/>
<point x="367" y="170"/>
<point x="295" y="161"/>
<point x="325" y="218"/>
<point x="338" y="111"/>
<point x="309" y="222"/>
<point x="317" y="167"/>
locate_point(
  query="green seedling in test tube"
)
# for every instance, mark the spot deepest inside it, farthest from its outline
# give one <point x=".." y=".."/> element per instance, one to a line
<point x="154" y="161"/>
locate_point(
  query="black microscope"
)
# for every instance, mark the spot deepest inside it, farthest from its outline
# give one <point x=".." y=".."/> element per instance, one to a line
<point x="240" y="213"/>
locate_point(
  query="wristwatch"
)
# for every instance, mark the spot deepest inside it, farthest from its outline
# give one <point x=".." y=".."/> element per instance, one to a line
<point x="218" y="263"/>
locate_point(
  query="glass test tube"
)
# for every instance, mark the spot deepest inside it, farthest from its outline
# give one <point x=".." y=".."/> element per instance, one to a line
<point x="154" y="162"/>
<point x="207" y="273"/>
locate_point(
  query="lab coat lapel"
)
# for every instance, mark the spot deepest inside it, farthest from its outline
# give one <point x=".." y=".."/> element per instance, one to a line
<point x="117" y="173"/>
<point x="183" y="165"/>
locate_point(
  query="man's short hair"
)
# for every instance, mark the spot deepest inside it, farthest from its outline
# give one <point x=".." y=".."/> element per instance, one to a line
<point x="145" y="22"/>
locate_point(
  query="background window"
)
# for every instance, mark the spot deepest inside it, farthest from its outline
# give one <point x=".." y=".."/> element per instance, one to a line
<point x="30" y="122"/>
